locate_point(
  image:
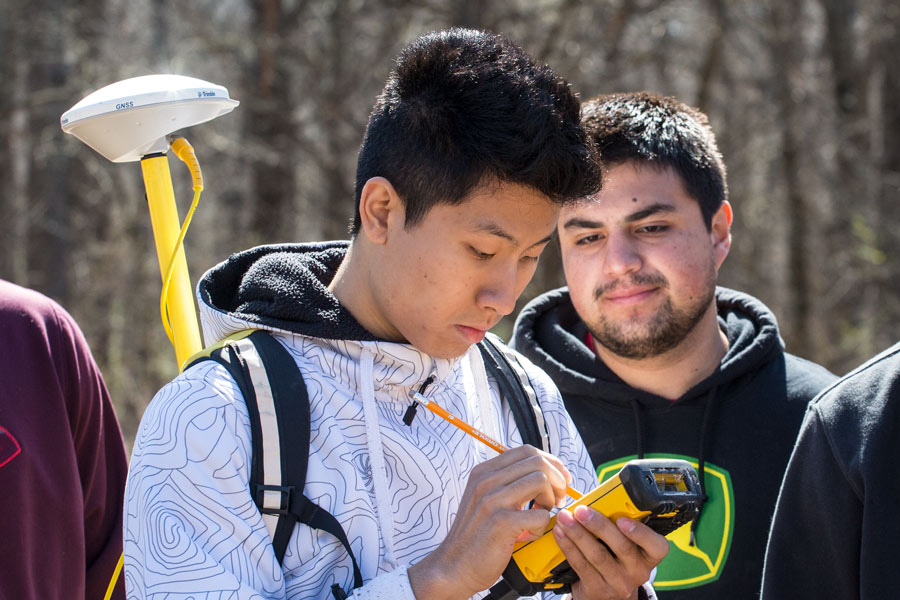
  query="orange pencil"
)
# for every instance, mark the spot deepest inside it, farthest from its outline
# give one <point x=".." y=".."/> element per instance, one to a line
<point x="478" y="435"/>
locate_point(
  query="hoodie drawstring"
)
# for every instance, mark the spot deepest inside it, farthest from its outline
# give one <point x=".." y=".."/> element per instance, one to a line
<point x="638" y="426"/>
<point x="701" y="459"/>
<point x="410" y="413"/>
<point x="376" y="457"/>
<point x="638" y="412"/>
<point x="489" y="423"/>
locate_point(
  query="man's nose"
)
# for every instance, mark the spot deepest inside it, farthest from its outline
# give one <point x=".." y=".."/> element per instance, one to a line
<point x="622" y="256"/>
<point x="500" y="291"/>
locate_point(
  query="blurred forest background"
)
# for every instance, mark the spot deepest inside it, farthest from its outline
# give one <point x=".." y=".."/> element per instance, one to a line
<point x="804" y="97"/>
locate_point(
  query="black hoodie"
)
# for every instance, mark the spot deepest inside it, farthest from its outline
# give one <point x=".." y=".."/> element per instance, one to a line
<point x="738" y="426"/>
<point x="835" y="529"/>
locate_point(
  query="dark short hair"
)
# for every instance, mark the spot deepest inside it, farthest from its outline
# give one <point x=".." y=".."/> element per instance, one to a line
<point x="661" y="132"/>
<point x="465" y="107"/>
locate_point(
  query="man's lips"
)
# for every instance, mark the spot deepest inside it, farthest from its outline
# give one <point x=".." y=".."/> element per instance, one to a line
<point x="472" y="334"/>
<point x="629" y="296"/>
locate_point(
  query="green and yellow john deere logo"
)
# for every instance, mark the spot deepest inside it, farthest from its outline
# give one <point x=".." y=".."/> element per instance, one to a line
<point x="688" y="566"/>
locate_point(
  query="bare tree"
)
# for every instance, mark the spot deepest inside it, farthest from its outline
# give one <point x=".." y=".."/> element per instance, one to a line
<point x="802" y="96"/>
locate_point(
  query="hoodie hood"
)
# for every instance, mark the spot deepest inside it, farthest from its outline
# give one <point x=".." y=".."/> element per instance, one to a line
<point x="550" y="333"/>
<point x="282" y="288"/>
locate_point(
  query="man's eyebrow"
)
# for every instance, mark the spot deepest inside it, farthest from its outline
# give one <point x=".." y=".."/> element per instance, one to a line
<point x="585" y="223"/>
<point x="650" y="211"/>
<point x="582" y="223"/>
<point x="494" y="229"/>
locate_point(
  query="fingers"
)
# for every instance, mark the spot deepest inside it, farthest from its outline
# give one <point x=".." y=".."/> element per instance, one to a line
<point x="611" y="559"/>
<point x="491" y="519"/>
<point x="535" y="533"/>
<point x="523" y="474"/>
<point x="627" y="539"/>
<point x="653" y="546"/>
<point x="532" y="523"/>
<point x="515" y="455"/>
<point x="596" y="525"/>
<point x="585" y="554"/>
<point x="529" y="482"/>
<point x="502" y="487"/>
<point x="521" y="452"/>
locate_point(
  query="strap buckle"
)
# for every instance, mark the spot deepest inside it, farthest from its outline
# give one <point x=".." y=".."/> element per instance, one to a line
<point x="274" y="499"/>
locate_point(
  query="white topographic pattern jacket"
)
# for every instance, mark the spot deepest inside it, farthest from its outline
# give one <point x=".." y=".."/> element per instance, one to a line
<point x="193" y="531"/>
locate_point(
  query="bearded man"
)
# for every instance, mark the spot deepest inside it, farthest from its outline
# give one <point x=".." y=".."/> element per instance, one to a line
<point x="652" y="359"/>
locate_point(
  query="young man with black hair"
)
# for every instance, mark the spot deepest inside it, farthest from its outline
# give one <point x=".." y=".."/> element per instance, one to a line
<point x="653" y="359"/>
<point x="834" y="533"/>
<point x="469" y="152"/>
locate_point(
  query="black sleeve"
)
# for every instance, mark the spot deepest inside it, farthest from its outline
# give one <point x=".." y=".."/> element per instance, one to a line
<point x="814" y="542"/>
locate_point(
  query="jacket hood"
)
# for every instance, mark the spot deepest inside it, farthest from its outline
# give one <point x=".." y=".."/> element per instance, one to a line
<point x="280" y="288"/>
<point x="550" y="333"/>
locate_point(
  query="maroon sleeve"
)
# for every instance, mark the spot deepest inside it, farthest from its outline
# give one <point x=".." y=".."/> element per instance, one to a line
<point x="100" y="454"/>
<point x="62" y="458"/>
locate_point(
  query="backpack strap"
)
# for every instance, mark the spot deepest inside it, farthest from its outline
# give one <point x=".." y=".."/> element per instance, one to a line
<point x="516" y="388"/>
<point x="278" y="405"/>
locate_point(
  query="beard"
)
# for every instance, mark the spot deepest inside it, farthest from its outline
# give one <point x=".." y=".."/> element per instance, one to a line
<point x="662" y="332"/>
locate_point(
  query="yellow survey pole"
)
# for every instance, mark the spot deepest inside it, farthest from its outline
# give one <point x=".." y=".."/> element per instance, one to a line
<point x="132" y="120"/>
<point x="166" y="226"/>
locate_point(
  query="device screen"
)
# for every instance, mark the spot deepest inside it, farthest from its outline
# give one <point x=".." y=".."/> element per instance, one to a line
<point x="669" y="481"/>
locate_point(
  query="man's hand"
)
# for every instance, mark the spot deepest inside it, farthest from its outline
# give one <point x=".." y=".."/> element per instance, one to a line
<point x="616" y="566"/>
<point x="490" y="520"/>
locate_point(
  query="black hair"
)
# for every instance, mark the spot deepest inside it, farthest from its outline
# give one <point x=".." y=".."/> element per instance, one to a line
<point x="466" y="107"/>
<point x="661" y="132"/>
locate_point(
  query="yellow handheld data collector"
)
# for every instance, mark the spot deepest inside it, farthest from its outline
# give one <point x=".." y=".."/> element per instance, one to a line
<point x="663" y="493"/>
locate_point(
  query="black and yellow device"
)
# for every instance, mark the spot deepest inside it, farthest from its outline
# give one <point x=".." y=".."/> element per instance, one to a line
<point x="663" y="493"/>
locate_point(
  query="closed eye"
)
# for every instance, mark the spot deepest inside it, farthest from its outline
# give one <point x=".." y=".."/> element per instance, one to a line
<point x="479" y="255"/>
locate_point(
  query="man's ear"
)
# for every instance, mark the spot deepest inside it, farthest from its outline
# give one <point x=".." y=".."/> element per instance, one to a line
<point x="720" y="233"/>
<point x="380" y="210"/>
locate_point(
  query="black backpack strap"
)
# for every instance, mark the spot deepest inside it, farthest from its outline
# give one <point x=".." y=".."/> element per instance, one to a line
<point x="516" y="388"/>
<point x="282" y="411"/>
<point x="278" y="404"/>
<point x="226" y="354"/>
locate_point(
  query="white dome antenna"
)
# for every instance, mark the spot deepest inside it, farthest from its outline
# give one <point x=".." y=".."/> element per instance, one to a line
<point x="129" y="119"/>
